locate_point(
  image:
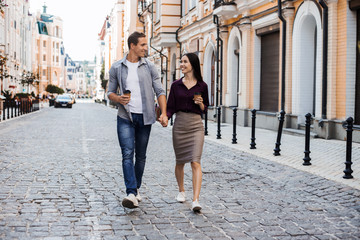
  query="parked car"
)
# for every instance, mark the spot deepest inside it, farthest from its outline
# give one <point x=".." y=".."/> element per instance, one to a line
<point x="72" y="96"/>
<point x="63" y="101"/>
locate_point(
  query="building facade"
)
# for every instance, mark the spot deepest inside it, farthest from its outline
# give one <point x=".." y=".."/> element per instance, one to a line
<point x="16" y="45"/>
<point x="48" y="55"/>
<point x="297" y="56"/>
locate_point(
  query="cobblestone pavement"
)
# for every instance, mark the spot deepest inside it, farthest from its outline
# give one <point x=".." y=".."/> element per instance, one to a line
<point x="61" y="178"/>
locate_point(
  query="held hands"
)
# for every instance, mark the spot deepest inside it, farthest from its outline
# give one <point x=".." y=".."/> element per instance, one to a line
<point x="163" y="119"/>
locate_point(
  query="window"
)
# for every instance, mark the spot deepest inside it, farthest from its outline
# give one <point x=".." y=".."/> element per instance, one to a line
<point x="57" y="58"/>
<point x="182" y="8"/>
<point x="44" y="44"/>
<point x="57" y="45"/>
<point x="192" y="4"/>
<point x="53" y="44"/>
<point x="44" y="57"/>
<point x="44" y="72"/>
<point x="57" y="31"/>
<point x="14" y="24"/>
<point x="158" y="9"/>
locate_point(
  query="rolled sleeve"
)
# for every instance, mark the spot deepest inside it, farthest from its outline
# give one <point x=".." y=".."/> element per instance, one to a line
<point x="113" y="81"/>
<point x="156" y="83"/>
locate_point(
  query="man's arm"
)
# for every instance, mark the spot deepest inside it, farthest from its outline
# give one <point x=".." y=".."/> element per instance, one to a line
<point x="122" y="99"/>
<point x="163" y="117"/>
<point x="112" y="88"/>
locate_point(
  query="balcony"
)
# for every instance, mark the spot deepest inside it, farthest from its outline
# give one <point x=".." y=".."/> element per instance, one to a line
<point x="225" y="9"/>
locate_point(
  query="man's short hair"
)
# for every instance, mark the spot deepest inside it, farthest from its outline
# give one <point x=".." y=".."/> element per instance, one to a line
<point x="134" y="38"/>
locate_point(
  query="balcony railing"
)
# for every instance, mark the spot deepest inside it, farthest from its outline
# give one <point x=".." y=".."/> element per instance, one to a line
<point x="218" y="3"/>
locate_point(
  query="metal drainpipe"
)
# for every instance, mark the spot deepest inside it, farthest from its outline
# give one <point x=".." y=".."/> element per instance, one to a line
<point x="216" y="21"/>
<point x="177" y="39"/>
<point x="161" y="54"/>
<point x="177" y="30"/>
<point x="325" y="59"/>
<point x="283" y="55"/>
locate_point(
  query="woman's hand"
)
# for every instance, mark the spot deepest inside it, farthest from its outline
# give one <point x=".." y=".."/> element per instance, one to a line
<point x="198" y="100"/>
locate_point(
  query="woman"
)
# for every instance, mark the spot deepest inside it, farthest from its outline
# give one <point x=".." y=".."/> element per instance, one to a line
<point x="188" y="98"/>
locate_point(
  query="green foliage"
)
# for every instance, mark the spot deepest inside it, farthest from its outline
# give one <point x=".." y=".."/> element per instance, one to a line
<point x="54" y="89"/>
<point x="104" y="84"/>
<point x="102" y="77"/>
<point x="7" y="94"/>
<point x="22" y="95"/>
<point x="102" y="72"/>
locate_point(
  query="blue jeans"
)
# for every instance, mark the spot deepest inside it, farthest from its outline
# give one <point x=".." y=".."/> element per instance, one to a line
<point x="133" y="137"/>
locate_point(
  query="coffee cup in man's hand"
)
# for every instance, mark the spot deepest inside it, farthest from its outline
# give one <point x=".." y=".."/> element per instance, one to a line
<point x="127" y="93"/>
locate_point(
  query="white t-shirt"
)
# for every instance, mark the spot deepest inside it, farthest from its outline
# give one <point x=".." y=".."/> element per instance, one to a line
<point x="132" y="84"/>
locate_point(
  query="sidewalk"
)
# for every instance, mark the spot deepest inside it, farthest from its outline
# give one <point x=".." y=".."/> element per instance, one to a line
<point x="327" y="156"/>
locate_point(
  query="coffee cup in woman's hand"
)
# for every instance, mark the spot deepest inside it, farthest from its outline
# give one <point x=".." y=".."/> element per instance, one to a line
<point x="197" y="98"/>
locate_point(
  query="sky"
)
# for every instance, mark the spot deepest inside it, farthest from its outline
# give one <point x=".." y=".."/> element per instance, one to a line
<point x="82" y="21"/>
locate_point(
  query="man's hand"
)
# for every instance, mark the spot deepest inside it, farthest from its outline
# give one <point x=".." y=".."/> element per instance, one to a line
<point x="123" y="99"/>
<point x="163" y="120"/>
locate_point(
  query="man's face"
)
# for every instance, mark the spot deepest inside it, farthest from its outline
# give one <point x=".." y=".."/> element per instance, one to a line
<point x="141" y="48"/>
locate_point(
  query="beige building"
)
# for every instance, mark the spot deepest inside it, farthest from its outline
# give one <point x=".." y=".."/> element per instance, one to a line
<point x="240" y="46"/>
<point x="48" y="55"/>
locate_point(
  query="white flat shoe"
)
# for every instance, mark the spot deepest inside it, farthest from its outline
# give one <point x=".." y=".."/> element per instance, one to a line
<point x="195" y="206"/>
<point x="181" y="197"/>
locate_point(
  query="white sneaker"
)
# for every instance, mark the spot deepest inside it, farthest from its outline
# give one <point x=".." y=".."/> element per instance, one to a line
<point x="138" y="197"/>
<point x="196" y="206"/>
<point x="181" y="197"/>
<point x="130" y="201"/>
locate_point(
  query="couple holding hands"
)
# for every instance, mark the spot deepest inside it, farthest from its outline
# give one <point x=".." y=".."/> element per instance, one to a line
<point x="188" y="99"/>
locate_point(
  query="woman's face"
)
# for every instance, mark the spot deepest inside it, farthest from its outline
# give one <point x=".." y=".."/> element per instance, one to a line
<point x="185" y="65"/>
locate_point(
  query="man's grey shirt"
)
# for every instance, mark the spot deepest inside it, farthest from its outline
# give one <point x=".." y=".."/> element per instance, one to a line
<point x="149" y="84"/>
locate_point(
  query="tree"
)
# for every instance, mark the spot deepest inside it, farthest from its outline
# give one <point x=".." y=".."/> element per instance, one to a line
<point x="102" y="77"/>
<point x="2" y="5"/>
<point x="7" y="94"/>
<point x="54" y="89"/>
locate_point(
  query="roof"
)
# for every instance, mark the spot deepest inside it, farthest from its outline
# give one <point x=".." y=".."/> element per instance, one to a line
<point x="42" y="28"/>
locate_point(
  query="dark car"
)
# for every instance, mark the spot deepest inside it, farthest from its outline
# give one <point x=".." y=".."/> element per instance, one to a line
<point x="63" y="101"/>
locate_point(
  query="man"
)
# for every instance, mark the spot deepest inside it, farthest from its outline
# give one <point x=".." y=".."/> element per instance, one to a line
<point x="136" y="111"/>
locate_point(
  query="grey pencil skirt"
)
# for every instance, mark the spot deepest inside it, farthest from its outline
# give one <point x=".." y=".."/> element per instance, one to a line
<point x="188" y="137"/>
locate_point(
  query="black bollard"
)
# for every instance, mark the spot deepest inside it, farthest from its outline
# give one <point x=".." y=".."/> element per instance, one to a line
<point x="349" y="130"/>
<point x="15" y="106"/>
<point x="171" y="121"/>
<point x="253" y="118"/>
<point x="218" y="136"/>
<point x="278" y="140"/>
<point x="307" y="140"/>
<point x="206" y="123"/>
<point x="4" y="109"/>
<point x="8" y="109"/>
<point x="234" y="140"/>
<point x="12" y="108"/>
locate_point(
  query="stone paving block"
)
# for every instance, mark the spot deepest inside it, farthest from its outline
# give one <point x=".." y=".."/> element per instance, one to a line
<point x="243" y="196"/>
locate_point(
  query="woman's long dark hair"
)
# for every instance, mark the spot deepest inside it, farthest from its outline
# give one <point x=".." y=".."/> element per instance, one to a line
<point x="195" y="63"/>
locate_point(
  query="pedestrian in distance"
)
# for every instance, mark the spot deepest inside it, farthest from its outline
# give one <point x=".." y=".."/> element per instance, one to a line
<point x="136" y="113"/>
<point x="188" y="98"/>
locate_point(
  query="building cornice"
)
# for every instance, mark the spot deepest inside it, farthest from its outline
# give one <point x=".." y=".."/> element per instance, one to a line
<point x="204" y="25"/>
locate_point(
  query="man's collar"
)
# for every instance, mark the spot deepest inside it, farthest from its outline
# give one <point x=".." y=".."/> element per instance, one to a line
<point x="141" y="61"/>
